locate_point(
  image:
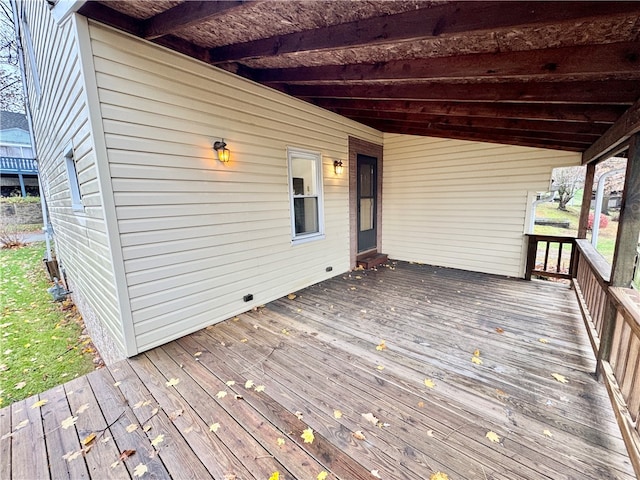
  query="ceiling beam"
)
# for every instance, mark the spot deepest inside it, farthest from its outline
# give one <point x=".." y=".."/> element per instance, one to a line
<point x="583" y="62"/>
<point x="621" y="131"/>
<point x="477" y="137"/>
<point x="436" y="21"/>
<point x="185" y="15"/>
<point x="109" y="16"/>
<point x="565" y="128"/>
<point x="604" y="114"/>
<point x="622" y="92"/>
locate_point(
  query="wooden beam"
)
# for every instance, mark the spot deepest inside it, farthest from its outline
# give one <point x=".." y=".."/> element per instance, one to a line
<point x="582" y="62"/>
<point x="422" y="23"/>
<point x="590" y="114"/>
<point x="185" y="15"/>
<point x="626" y="126"/>
<point x="583" y="223"/>
<point x="629" y="225"/>
<point x="182" y="46"/>
<point x="594" y="130"/>
<point x="620" y="92"/>
<point x="479" y="137"/>
<point x="107" y="15"/>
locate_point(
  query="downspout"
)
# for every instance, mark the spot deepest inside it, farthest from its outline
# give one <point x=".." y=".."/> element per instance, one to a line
<point x="595" y="228"/>
<point x="43" y="202"/>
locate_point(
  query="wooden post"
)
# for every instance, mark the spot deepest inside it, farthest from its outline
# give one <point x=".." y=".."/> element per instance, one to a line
<point x="586" y="200"/>
<point x="629" y="224"/>
<point x="624" y="257"/>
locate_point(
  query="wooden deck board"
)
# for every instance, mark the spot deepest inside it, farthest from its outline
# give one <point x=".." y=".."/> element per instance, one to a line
<point x="315" y="354"/>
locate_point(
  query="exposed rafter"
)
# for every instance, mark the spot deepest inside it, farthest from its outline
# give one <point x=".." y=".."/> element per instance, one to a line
<point x="418" y="24"/>
<point x="620" y="132"/>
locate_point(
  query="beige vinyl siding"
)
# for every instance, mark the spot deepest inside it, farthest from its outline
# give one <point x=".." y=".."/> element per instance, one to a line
<point x="61" y="119"/>
<point x="462" y="204"/>
<point x="198" y="235"/>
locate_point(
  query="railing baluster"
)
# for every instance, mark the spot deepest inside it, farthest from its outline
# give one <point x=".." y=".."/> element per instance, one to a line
<point x="559" y="257"/>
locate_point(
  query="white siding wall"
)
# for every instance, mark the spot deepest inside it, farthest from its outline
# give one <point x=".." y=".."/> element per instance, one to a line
<point x="61" y="118"/>
<point x="198" y="235"/>
<point x="461" y="204"/>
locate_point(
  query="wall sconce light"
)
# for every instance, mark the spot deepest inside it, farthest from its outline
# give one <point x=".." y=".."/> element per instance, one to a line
<point x="222" y="151"/>
<point x="337" y="167"/>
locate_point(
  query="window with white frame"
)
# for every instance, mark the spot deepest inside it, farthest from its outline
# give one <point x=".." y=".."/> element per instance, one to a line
<point x="74" y="184"/>
<point x="305" y="186"/>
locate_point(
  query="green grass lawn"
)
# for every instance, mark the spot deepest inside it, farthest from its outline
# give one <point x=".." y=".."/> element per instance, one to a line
<point x="41" y="342"/>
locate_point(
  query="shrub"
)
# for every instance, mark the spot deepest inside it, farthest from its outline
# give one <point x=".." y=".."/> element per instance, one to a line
<point x="604" y="220"/>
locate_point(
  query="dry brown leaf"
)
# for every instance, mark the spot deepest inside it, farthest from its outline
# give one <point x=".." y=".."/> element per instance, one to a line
<point x="421" y="404"/>
<point x="381" y="346"/>
<point x="88" y="439"/>
<point x="358" y="435"/>
<point x="126" y="454"/>
<point x="197" y="354"/>
<point x="499" y="330"/>
<point x="298" y="414"/>
<point x="369" y="417"/>
<point x="291" y="296"/>
<point x="476" y="352"/>
<point x="244" y="340"/>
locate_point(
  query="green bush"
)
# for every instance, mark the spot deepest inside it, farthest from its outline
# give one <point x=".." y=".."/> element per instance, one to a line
<point x="19" y="199"/>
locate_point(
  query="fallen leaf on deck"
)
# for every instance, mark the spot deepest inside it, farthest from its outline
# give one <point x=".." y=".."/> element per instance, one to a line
<point x="105" y="439"/>
<point x="291" y="296"/>
<point x="248" y="384"/>
<point x="307" y="435"/>
<point x="259" y="388"/>
<point x="244" y="340"/>
<point x="39" y="403"/>
<point x="132" y="428"/>
<point x="140" y="470"/>
<point x="146" y="428"/>
<point x="476" y="360"/>
<point x="280" y="441"/>
<point x="230" y="476"/>
<point x="71" y="455"/>
<point x="115" y="464"/>
<point x="197" y="354"/>
<point x="298" y="414"/>
<point x="236" y="319"/>
<point x="493" y="436"/>
<point x="476" y="353"/>
<point x="88" y="439"/>
<point x="22" y="424"/>
<point x="322" y="475"/>
<point x="221" y="394"/>
<point x="117" y="384"/>
<point x="214" y="427"/>
<point x="20" y="385"/>
<point x="126" y="454"/>
<point x="275" y="476"/>
<point x="421" y="404"/>
<point x="337" y="414"/>
<point x="430" y="433"/>
<point x="82" y="408"/>
<point x="369" y="417"/>
<point x="172" y="382"/>
<point x="352" y="288"/>
<point x="499" y="330"/>
<point x="68" y="422"/>
<point x="230" y="383"/>
<point x="381" y="346"/>
<point x="358" y="435"/>
<point x="375" y="473"/>
<point x="547" y="433"/>
<point x="429" y="383"/>
<point x="285" y="331"/>
<point x="543" y="340"/>
<point x="439" y="476"/>
<point x="158" y="440"/>
<point x="560" y="378"/>
<point x="238" y="397"/>
<point x="172" y="415"/>
<point x="380" y="367"/>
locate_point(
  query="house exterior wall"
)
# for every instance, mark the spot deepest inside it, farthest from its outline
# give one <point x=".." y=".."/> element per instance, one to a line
<point x="61" y="118"/>
<point x="198" y="235"/>
<point x="462" y="204"/>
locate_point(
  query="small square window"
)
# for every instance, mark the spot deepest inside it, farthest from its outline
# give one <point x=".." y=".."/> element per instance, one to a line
<point x="305" y="186"/>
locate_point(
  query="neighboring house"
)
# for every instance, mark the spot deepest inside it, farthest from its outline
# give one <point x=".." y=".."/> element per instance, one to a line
<point x="157" y="238"/>
<point x="18" y="168"/>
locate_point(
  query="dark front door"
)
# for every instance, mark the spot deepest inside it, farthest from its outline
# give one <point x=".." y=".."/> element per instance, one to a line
<point x="367" y="204"/>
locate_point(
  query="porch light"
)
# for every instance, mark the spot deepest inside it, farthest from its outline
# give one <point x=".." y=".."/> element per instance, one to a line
<point x="337" y="167"/>
<point x="222" y="151"/>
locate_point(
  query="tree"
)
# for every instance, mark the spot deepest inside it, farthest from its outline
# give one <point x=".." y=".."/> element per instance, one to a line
<point x="11" y="93"/>
<point x="566" y="181"/>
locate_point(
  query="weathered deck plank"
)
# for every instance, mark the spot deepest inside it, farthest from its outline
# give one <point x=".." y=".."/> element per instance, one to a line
<point x="315" y="354"/>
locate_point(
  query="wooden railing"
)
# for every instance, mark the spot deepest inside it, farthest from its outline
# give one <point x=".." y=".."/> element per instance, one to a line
<point x="612" y="318"/>
<point x="550" y="256"/>
<point x="18" y="165"/>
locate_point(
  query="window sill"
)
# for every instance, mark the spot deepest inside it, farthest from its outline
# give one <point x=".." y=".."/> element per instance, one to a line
<point x="307" y="239"/>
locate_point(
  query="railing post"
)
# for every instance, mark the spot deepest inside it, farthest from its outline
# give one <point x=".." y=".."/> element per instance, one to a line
<point x="575" y="258"/>
<point x="583" y="223"/>
<point x="532" y="249"/>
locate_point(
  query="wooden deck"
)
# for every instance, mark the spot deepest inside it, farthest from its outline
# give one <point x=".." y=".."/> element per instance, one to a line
<point x="316" y="355"/>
